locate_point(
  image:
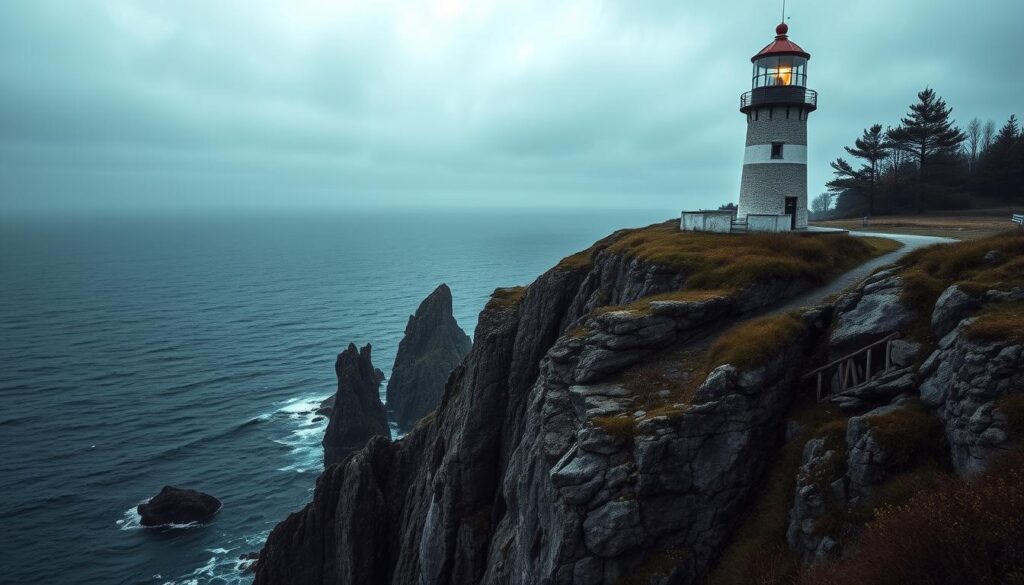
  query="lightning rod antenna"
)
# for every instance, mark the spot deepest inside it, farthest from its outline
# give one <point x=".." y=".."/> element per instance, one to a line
<point x="783" y="10"/>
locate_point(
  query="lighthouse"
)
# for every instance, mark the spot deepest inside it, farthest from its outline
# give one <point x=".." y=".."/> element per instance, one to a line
<point x="773" y="188"/>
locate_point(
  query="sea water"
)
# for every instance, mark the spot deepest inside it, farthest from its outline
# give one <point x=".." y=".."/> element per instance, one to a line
<point x="141" y="351"/>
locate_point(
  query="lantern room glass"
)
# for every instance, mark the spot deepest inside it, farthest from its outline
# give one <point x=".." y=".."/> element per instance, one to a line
<point x="775" y="70"/>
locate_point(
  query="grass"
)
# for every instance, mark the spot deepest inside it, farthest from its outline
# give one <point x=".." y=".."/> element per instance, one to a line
<point x="505" y="298"/>
<point x="929" y="271"/>
<point x="578" y="261"/>
<point x="732" y="262"/>
<point x="754" y="343"/>
<point x="978" y="224"/>
<point x="661" y="385"/>
<point x="665" y="384"/>
<point x="999" y="321"/>
<point x="621" y="427"/>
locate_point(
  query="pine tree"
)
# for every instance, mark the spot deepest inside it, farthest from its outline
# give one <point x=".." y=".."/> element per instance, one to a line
<point x="1003" y="162"/>
<point x="929" y="136"/>
<point x="872" y="148"/>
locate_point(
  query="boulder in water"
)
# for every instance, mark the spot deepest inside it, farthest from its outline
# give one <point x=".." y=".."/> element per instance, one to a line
<point x="178" y="506"/>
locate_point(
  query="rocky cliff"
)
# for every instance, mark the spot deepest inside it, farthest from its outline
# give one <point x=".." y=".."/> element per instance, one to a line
<point x="604" y="430"/>
<point x="357" y="414"/>
<point x="433" y="345"/>
<point x="512" y="480"/>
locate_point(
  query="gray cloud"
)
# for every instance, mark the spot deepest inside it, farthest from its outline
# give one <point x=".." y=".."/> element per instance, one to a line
<point x="137" y="105"/>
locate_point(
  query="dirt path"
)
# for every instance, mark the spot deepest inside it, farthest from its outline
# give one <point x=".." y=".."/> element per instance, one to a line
<point x="848" y="279"/>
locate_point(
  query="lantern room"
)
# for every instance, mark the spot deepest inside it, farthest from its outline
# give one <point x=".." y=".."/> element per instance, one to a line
<point x="782" y="62"/>
<point x="780" y="75"/>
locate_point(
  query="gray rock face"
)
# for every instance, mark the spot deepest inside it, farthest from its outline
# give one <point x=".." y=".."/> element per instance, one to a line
<point x="357" y="414"/>
<point x="677" y="482"/>
<point x="952" y="306"/>
<point x="820" y="489"/>
<point x="964" y="380"/>
<point x="433" y="345"/>
<point x="836" y="474"/>
<point x="868" y="460"/>
<point x="512" y="482"/>
<point x="870" y="312"/>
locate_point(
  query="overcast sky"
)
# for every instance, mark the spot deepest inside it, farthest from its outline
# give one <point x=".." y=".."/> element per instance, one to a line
<point x="112" y="104"/>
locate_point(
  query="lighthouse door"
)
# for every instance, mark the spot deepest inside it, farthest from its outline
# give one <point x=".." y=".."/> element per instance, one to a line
<point x="791" y="211"/>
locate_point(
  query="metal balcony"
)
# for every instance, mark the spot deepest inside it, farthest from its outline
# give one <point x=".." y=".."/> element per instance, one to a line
<point x="779" y="95"/>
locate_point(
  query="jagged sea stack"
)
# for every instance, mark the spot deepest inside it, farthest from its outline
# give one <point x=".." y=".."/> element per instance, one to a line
<point x="773" y="190"/>
<point x="433" y="345"/>
<point x="358" y="413"/>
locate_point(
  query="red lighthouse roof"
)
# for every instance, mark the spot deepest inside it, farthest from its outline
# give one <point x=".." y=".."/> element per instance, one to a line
<point x="782" y="45"/>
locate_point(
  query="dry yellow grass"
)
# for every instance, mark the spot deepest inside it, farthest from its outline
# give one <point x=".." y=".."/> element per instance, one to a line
<point x="753" y="343"/>
<point x="929" y="271"/>
<point x="949" y="225"/>
<point x="578" y="261"/>
<point x="504" y="298"/>
<point x="735" y="261"/>
<point x="999" y="321"/>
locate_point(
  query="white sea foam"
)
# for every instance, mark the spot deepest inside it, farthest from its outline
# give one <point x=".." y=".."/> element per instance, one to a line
<point x="131" y="520"/>
<point x="305" y="438"/>
<point x="224" y="565"/>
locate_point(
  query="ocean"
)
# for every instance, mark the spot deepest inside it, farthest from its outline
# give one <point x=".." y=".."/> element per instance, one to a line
<point x="138" y="351"/>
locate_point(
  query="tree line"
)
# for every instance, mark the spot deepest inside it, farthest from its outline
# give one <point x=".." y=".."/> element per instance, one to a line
<point x="926" y="163"/>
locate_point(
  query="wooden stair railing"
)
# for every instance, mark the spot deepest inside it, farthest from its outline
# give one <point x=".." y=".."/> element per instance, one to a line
<point x="847" y="366"/>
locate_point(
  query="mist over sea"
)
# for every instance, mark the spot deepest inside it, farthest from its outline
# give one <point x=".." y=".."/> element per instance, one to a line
<point x="139" y="351"/>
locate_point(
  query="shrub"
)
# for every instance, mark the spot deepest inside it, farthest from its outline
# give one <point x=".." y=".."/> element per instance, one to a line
<point x="964" y="532"/>
<point x="756" y="342"/>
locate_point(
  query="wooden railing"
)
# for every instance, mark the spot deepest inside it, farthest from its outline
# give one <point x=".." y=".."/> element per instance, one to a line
<point x="847" y="366"/>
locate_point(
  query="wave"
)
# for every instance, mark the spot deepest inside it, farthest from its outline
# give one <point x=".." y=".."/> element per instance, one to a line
<point x="224" y="565"/>
<point x="304" y="440"/>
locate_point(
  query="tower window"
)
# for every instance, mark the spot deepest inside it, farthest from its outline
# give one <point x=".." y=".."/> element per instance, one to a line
<point x="776" y="150"/>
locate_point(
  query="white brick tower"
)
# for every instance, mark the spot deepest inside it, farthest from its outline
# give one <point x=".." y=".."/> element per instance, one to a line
<point x="774" y="179"/>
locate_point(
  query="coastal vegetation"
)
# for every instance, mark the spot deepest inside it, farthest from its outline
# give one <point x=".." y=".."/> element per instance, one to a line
<point x="927" y="162"/>
<point x="754" y="343"/>
<point x="506" y="298"/>
<point x="975" y="266"/>
<point x="967" y="531"/>
<point x="724" y="264"/>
